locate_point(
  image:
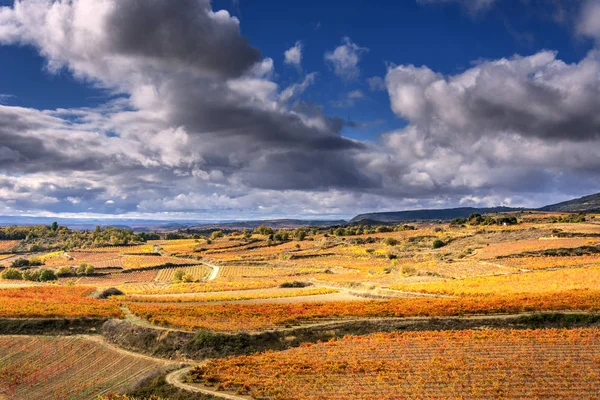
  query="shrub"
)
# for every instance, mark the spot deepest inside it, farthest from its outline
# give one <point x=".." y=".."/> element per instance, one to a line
<point x="391" y="241"/>
<point x="178" y="275"/>
<point x="20" y="263"/>
<point x="295" y="284"/>
<point x="11" y="273"/>
<point x="187" y="278"/>
<point x="47" y="275"/>
<point x="437" y="244"/>
<point x="89" y="270"/>
<point x="105" y="294"/>
<point x="82" y="269"/>
<point x="216" y="235"/>
<point x="31" y="275"/>
<point x="64" y="271"/>
<point x="408" y="270"/>
<point x="263" y="230"/>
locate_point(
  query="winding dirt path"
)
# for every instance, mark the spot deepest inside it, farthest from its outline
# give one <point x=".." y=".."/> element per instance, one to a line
<point x="215" y="271"/>
<point x="175" y="379"/>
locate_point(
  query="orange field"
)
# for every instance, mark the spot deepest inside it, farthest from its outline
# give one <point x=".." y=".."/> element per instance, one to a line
<point x="274" y="294"/>
<point x="237" y="317"/>
<point x="550" y="363"/>
<point x="54" y="301"/>
<point x="218" y="285"/>
<point x="45" y="368"/>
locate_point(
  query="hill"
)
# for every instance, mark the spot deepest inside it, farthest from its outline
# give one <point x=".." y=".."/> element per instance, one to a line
<point x="272" y="223"/>
<point x="435" y="214"/>
<point x="590" y="203"/>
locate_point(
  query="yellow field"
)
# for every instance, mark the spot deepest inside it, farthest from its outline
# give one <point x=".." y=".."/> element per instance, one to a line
<point x="533" y="282"/>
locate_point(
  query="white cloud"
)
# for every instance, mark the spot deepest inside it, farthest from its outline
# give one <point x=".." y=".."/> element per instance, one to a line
<point x="376" y="84"/>
<point x="345" y="58"/>
<point x="588" y="23"/>
<point x="293" y="55"/>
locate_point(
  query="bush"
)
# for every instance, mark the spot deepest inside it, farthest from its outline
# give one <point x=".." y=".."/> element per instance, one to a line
<point x="458" y="221"/>
<point x="178" y="275"/>
<point x="31" y="275"/>
<point x="187" y="278"/>
<point x="408" y="270"/>
<point x="391" y="241"/>
<point x="89" y="270"/>
<point x="47" y="275"/>
<point x="295" y="284"/>
<point x="20" y="263"/>
<point x="11" y="273"/>
<point x="263" y="230"/>
<point x="82" y="269"/>
<point x="105" y="294"/>
<point x="64" y="271"/>
<point x="437" y="244"/>
<point x="216" y="235"/>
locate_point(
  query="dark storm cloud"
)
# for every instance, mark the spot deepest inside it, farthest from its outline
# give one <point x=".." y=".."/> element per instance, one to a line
<point x="185" y="31"/>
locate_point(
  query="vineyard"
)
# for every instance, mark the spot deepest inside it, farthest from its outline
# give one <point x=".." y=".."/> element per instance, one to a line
<point x="46" y="368"/>
<point x="243" y="294"/>
<point x="533" y="282"/>
<point x="465" y="364"/>
<point x="195" y="273"/>
<point x="138" y="262"/>
<point x="243" y="317"/>
<point x="48" y="301"/>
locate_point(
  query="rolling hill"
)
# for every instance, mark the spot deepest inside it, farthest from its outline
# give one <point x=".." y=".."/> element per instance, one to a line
<point x="590" y="203"/>
<point x="439" y="214"/>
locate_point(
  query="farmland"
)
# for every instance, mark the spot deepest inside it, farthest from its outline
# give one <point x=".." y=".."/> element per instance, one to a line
<point x="266" y="298"/>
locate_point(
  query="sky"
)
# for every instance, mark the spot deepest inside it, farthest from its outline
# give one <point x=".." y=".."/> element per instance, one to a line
<point x="246" y="109"/>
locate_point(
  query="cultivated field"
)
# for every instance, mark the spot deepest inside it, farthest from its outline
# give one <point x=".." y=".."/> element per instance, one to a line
<point x="264" y="296"/>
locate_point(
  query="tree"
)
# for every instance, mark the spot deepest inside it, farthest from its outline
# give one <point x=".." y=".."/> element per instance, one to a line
<point x="54" y="226"/>
<point x="83" y="268"/>
<point x="263" y="230"/>
<point x="47" y="275"/>
<point x="437" y="244"/>
<point x="11" y="273"/>
<point x="216" y="235"/>
<point x="178" y="275"/>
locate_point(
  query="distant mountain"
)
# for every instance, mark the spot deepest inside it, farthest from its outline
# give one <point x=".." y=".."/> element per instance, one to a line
<point x="422" y="215"/>
<point x="272" y="223"/>
<point x="583" y="204"/>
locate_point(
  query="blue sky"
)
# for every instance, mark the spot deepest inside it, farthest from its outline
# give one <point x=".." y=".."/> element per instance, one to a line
<point x="229" y="140"/>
